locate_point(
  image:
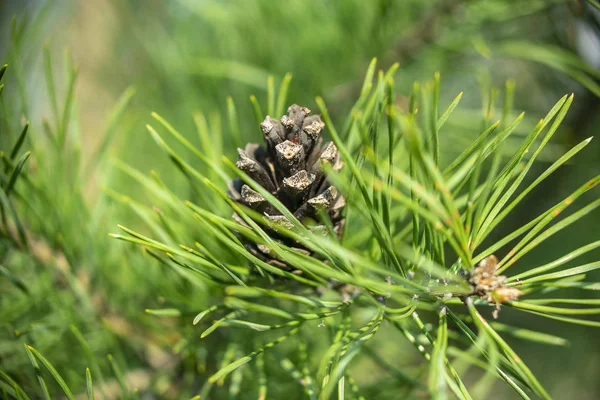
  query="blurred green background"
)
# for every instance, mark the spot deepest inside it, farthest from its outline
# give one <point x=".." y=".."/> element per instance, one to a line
<point x="184" y="57"/>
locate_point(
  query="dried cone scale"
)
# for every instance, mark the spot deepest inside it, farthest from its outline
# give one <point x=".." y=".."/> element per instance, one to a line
<point x="290" y="168"/>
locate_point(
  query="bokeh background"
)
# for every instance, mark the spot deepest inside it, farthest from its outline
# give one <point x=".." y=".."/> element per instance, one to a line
<point x="185" y="57"/>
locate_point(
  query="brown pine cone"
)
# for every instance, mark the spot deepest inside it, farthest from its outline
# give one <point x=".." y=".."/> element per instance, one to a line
<point x="290" y="168"/>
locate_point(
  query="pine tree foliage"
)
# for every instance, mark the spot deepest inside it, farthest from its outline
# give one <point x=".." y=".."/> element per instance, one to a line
<point x="248" y="307"/>
<point x="415" y="249"/>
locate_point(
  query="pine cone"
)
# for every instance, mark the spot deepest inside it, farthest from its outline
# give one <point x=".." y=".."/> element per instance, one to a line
<point x="290" y="167"/>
